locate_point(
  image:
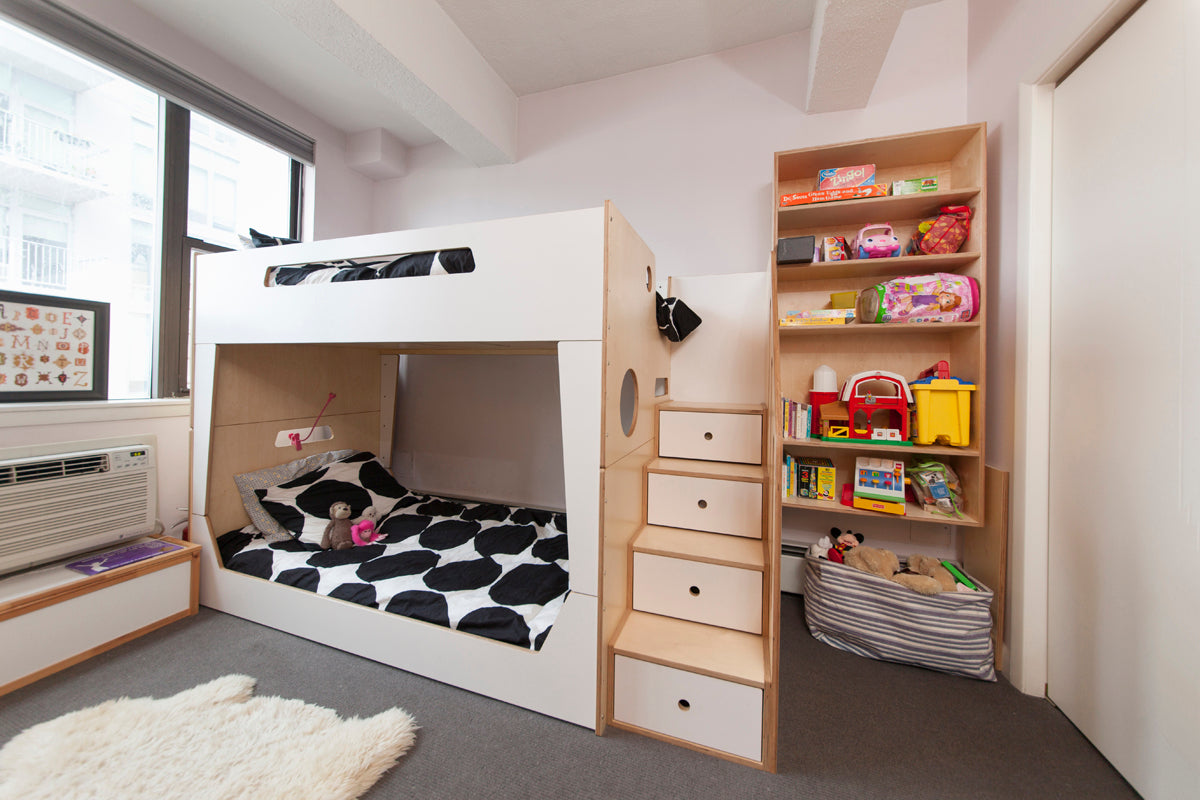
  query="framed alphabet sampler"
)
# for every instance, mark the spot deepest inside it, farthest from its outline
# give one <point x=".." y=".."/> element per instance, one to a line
<point x="52" y="348"/>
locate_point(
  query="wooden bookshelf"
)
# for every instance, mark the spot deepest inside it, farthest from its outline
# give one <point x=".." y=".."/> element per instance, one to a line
<point x="957" y="158"/>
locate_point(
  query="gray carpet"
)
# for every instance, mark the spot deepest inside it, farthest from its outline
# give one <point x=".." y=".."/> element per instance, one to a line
<point x="849" y="727"/>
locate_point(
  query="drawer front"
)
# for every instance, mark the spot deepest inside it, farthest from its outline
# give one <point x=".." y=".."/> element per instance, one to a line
<point x="710" y="436"/>
<point x="705" y="504"/>
<point x="714" y="594"/>
<point x="700" y="709"/>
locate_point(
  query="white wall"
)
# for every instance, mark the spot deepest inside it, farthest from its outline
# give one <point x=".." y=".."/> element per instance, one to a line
<point x="685" y="151"/>
<point x="481" y="427"/>
<point x="1014" y="42"/>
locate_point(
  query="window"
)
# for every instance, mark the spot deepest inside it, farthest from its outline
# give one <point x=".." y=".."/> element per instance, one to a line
<point x="107" y="187"/>
<point x="246" y="185"/>
<point x="197" y="196"/>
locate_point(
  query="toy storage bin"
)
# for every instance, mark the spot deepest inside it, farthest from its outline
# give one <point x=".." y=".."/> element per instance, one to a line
<point x="867" y="615"/>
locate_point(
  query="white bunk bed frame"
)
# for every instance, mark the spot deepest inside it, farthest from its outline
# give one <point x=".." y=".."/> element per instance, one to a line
<point x="576" y="284"/>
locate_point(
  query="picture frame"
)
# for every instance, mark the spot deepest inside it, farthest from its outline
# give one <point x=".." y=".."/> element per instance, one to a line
<point x="52" y="348"/>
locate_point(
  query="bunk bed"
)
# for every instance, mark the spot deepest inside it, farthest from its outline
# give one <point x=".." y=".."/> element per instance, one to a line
<point x="268" y="350"/>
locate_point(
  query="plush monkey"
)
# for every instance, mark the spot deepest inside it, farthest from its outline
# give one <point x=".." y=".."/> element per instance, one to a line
<point x="338" y="532"/>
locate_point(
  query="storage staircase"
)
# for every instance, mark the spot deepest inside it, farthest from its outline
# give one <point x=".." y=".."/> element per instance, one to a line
<point x="695" y="660"/>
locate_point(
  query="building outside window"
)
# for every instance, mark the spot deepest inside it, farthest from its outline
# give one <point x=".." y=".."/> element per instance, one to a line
<point x="82" y="164"/>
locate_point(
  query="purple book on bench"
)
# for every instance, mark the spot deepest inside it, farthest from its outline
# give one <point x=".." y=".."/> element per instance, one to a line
<point x="129" y="554"/>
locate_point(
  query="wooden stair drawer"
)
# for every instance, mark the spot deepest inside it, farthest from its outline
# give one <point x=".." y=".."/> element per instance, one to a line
<point x="714" y="594"/>
<point x="705" y="504"/>
<point x="710" y="436"/>
<point x="700" y="709"/>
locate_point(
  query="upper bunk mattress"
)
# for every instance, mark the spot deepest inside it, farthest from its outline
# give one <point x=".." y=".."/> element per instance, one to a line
<point x="435" y="262"/>
<point x="481" y="568"/>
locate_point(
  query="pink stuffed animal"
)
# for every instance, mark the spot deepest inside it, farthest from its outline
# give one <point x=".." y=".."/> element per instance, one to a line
<point x="363" y="531"/>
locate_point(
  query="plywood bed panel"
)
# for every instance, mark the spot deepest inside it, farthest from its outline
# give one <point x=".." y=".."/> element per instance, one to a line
<point x="240" y="448"/>
<point x="265" y="382"/>
<point x="624" y="510"/>
<point x="260" y="390"/>
<point x="631" y="339"/>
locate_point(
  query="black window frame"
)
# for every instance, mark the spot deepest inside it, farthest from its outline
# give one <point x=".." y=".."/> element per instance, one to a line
<point x="170" y="372"/>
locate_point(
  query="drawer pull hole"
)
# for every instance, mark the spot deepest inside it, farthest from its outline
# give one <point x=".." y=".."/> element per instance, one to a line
<point x="695" y="590"/>
<point x="703" y="504"/>
<point x="708" y="436"/>
<point x="684" y="705"/>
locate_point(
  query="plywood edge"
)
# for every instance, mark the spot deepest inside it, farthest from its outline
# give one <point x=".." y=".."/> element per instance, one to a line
<point x="715" y="408"/>
<point x="985" y="552"/>
<point x="694" y="647"/>
<point x="707" y="548"/>
<point x="723" y="470"/>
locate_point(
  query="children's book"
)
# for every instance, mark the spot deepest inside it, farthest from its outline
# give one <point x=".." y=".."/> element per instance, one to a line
<point x="96" y="563"/>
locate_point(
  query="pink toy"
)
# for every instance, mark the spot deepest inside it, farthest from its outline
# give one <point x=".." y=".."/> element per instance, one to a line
<point x="884" y="244"/>
<point x="940" y="297"/>
<point x="363" y="532"/>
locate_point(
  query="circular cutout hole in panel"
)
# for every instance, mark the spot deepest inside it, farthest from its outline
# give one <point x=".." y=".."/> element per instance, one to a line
<point x="708" y="436"/>
<point x="629" y="402"/>
<point x="695" y="590"/>
<point x="684" y="705"/>
<point x="702" y="503"/>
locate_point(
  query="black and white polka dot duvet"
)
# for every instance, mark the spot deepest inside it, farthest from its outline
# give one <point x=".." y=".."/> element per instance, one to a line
<point x="481" y="568"/>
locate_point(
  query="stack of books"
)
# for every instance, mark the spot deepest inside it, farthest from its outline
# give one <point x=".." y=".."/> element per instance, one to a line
<point x="797" y="419"/>
<point x="811" y="478"/>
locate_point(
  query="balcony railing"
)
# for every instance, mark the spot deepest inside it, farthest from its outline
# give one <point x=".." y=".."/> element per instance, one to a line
<point x="43" y="265"/>
<point x="46" y="146"/>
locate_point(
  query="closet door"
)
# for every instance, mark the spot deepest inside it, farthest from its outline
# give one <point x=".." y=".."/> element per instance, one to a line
<point x="1124" y="561"/>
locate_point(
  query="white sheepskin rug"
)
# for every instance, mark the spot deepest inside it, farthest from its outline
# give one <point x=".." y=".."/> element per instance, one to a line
<point x="213" y="742"/>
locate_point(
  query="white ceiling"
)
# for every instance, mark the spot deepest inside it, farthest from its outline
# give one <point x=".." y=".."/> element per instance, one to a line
<point x="536" y="45"/>
<point x="451" y="70"/>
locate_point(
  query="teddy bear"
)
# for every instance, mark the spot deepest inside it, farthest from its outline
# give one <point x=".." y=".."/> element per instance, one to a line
<point x="928" y="565"/>
<point x="338" y="533"/>
<point x="922" y="576"/>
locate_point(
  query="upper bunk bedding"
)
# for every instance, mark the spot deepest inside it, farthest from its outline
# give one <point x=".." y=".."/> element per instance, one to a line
<point x="480" y="568"/>
<point x="455" y="261"/>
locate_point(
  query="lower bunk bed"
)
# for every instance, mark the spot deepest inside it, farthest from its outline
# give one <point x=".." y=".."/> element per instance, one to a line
<point x="481" y="568"/>
<point x="474" y="594"/>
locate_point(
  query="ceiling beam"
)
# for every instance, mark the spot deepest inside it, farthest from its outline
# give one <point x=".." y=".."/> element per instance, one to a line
<point x="849" y="42"/>
<point x="411" y="53"/>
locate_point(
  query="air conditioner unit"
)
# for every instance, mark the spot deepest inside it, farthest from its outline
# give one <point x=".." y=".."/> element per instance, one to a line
<point x="54" y="506"/>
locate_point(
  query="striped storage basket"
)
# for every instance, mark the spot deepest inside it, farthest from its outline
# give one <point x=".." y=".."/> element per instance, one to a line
<point x="864" y="614"/>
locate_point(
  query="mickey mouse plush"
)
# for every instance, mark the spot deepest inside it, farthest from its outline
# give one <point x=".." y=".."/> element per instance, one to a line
<point x="842" y="542"/>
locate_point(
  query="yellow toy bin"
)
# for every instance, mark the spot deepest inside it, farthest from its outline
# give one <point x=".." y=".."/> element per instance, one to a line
<point x="943" y="411"/>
